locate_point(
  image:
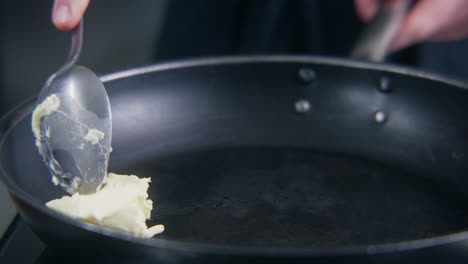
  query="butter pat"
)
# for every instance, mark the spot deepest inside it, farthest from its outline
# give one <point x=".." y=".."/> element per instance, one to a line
<point x="121" y="204"/>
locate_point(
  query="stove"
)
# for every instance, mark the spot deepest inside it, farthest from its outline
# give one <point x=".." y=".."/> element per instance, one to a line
<point x="20" y="245"/>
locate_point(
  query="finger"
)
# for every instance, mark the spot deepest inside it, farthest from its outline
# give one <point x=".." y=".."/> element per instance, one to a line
<point x="424" y="20"/>
<point x="66" y="14"/>
<point x="366" y="9"/>
<point x="456" y="27"/>
<point x="454" y="33"/>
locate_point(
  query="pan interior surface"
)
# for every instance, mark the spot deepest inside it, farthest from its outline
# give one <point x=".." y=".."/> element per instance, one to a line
<point x="294" y="198"/>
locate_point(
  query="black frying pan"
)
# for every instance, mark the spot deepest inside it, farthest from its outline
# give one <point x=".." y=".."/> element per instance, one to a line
<point x="240" y="170"/>
<point x="273" y="158"/>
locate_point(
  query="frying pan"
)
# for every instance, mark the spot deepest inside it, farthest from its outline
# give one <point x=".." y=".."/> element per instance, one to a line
<point x="271" y="159"/>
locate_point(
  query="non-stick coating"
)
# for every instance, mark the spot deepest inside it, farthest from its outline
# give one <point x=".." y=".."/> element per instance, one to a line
<point x="296" y="198"/>
<point x="234" y="164"/>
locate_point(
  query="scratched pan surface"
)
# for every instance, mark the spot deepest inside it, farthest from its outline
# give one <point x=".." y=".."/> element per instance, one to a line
<point x="274" y="158"/>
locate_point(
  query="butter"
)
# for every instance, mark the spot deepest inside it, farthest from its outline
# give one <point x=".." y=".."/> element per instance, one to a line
<point x="121" y="204"/>
<point x="94" y="135"/>
<point x="47" y="107"/>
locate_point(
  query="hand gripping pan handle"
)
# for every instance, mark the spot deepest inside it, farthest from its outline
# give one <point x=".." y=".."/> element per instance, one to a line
<point x="375" y="41"/>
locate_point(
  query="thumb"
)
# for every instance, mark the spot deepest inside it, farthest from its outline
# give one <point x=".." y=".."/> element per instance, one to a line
<point x="366" y="9"/>
<point x="66" y="14"/>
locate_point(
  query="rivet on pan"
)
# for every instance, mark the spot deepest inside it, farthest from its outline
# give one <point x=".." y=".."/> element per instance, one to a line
<point x="385" y="84"/>
<point x="307" y="75"/>
<point x="302" y="106"/>
<point x="380" y="117"/>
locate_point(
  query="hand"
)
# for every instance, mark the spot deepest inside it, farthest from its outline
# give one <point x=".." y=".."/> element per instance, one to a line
<point x="437" y="20"/>
<point x="66" y="14"/>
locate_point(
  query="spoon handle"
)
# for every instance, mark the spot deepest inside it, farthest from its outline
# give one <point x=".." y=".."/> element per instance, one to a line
<point x="377" y="37"/>
<point x="77" y="43"/>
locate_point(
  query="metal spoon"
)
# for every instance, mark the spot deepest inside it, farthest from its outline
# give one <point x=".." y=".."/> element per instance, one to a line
<point x="75" y="131"/>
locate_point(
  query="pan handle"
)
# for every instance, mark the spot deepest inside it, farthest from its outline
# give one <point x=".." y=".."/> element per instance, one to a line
<point x="375" y="40"/>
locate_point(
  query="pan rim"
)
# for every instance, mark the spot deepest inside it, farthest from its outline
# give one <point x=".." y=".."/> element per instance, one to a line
<point x="331" y="61"/>
<point x="23" y="111"/>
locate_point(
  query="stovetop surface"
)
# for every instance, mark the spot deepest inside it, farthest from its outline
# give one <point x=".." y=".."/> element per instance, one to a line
<point x="20" y="245"/>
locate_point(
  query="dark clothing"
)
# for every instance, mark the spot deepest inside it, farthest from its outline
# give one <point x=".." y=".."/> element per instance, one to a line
<point x="214" y="27"/>
<point x="314" y="27"/>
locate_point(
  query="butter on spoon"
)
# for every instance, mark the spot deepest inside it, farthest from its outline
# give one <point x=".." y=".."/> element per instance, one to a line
<point x="73" y="125"/>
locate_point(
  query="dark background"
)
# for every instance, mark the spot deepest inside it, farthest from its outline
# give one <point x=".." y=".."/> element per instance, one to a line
<point x="121" y="34"/>
<point x="118" y="34"/>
